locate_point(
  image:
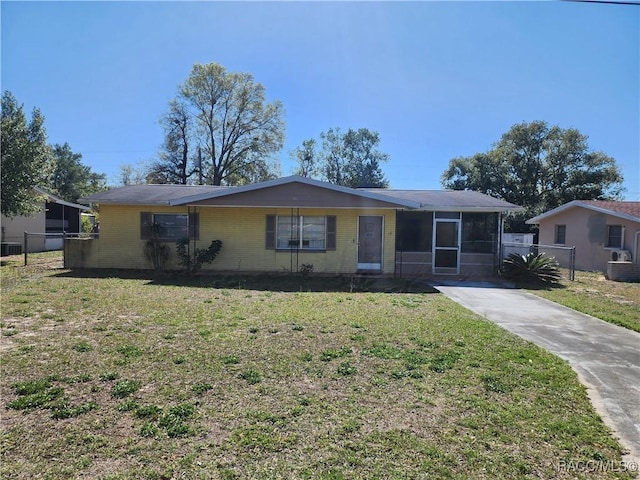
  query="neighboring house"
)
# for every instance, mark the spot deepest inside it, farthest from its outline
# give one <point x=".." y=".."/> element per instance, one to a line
<point x="279" y="225"/>
<point x="601" y="231"/>
<point x="54" y="216"/>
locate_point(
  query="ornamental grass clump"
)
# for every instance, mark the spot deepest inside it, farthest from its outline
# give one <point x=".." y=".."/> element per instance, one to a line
<point x="531" y="268"/>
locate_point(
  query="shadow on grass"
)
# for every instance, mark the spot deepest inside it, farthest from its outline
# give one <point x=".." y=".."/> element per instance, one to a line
<point x="265" y="282"/>
<point x="540" y="286"/>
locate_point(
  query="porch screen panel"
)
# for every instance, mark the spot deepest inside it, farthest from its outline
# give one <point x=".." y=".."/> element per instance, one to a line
<point x="479" y="232"/>
<point x="414" y="231"/>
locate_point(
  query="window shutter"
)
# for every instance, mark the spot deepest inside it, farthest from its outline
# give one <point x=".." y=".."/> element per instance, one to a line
<point x="194" y="226"/>
<point x="270" y="233"/>
<point x="331" y="232"/>
<point x="146" y="221"/>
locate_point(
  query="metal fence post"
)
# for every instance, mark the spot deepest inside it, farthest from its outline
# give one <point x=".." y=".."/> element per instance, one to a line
<point x="26" y="236"/>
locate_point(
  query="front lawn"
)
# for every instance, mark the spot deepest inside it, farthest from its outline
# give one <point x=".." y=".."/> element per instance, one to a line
<point x="593" y="294"/>
<point x="120" y="378"/>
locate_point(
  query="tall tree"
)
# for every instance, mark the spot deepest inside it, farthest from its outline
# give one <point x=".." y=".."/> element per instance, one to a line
<point x="25" y="157"/>
<point x="237" y="130"/>
<point x="350" y="159"/>
<point x="539" y="168"/>
<point x="306" y="156"/>
<point x="71" y="179"/>
<point x="173" y="165"/>
<point x="132" y="175"/>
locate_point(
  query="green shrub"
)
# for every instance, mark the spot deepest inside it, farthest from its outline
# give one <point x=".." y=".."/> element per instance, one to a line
<point x="192" y="261"/>
<point x="531" y="268"/>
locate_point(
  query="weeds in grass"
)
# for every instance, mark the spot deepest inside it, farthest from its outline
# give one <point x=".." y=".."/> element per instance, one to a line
<point x="130" y="351"/>
<point x="124" y="388"/>
<point x="346" y="368"/>
<point x="39" y="399"/>
<point x="251" y="376"/>
<point x="82" y="347"/>
<point x="494" y="384"/>
<point x="306" y="357"/>
<point x="108" y="376"/>
<point x="200" y="388"/>
<point x="230" y="360"/>
<point x="128" y="405"/>
<point x="147" y="411"/>
<point x="66" y="411"/>
<point x="332" y="353"/>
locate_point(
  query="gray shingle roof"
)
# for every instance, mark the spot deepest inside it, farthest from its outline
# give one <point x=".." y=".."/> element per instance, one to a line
<point x="442" y="200"/>
<point x="455" y="200"/>
<point x="149" y="194"/>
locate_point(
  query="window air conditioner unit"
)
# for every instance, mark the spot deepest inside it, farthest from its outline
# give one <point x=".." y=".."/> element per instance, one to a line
<point x="621" y="256"/>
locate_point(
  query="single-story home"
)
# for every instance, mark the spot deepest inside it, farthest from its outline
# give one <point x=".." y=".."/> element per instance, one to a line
<point x="54" y="217"/>
<point x="280" y="225"/>
<point x="601" y="231"/>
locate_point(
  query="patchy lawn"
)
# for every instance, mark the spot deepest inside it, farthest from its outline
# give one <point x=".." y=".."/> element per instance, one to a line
<point x="593" y="294"/>
<point x="120" y="378"/>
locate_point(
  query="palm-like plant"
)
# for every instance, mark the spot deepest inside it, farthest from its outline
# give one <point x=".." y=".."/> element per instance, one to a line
<point x="534" y="268"/>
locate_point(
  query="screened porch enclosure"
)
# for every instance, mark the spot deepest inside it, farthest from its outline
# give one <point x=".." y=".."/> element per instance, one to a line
<point x="447" y="243"/>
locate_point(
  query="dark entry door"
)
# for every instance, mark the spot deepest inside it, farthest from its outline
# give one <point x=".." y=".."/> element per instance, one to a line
<point x="370" y="242"/>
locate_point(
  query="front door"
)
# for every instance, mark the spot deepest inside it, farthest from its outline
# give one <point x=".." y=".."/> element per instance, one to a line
<point x="370" y="242"/>
<point x="446" y="246"/>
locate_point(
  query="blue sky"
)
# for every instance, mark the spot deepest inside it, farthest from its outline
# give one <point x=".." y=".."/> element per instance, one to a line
<point x="436" y="79"/>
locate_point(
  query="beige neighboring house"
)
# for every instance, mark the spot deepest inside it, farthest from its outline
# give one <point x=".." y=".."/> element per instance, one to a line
<point x="54" y="216"/>
<point x="601" y="231"/>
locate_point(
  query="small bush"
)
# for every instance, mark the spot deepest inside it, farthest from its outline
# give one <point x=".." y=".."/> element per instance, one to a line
<point x="306" y="269"/>
<point x="192" y="261"/>
<point x="531" y="268"/>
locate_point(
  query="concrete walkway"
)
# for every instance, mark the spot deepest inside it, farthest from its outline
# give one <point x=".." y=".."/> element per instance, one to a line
<point x="605" y="356"/>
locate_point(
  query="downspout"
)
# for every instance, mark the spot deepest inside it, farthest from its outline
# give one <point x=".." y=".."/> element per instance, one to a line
<point x="635" y="247"/>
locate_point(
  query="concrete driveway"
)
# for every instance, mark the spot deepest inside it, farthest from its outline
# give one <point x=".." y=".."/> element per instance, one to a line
<point x="605" y="356"/>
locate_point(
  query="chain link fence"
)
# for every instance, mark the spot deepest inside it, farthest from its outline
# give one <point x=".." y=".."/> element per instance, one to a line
<point x="565" y="256"/>
<point x="43" y="249"/>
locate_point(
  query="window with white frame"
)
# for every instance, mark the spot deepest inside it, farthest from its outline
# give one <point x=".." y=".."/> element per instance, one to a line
<point x="301" y="232"/>
<point x="168" y="226"/>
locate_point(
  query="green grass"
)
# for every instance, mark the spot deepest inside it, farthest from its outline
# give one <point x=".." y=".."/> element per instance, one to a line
<point x="593" y="294"/>
<point x="376" y="385"/>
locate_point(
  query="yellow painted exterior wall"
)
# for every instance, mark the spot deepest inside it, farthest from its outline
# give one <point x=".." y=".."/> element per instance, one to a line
<point x="242" y="231"/>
